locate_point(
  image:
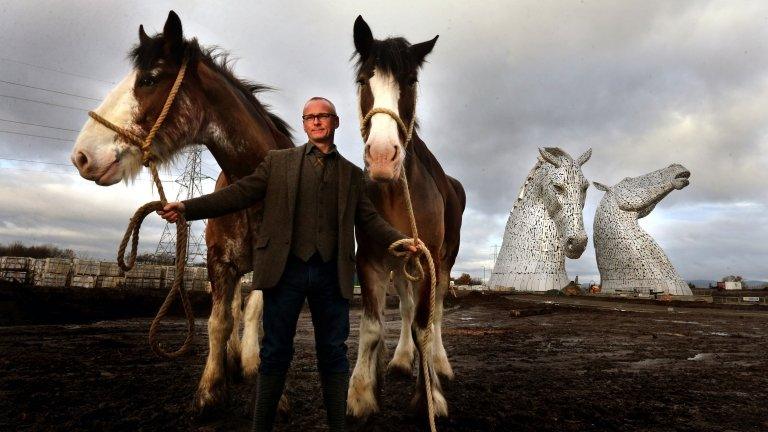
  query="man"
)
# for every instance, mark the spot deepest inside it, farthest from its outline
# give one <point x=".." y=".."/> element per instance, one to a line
<point x="304" y="249"/>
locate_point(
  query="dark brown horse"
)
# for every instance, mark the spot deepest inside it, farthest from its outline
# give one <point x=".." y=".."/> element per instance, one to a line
<point x="387" y="75"/>
<point x="218" y="110"/>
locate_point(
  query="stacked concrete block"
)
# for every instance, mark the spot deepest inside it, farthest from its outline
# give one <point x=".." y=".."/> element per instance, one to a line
<point x="16" y="269"/>
<point x="52" y="272"/>
<point x="144" y="276"/>
<point x="545" y="226"/>
<point x="195" y="278"/>
<point x="85" y="274"/>
<point x="110" y="275"/>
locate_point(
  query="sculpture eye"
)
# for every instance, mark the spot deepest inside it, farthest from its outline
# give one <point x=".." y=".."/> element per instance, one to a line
<point x="559" y="188"/>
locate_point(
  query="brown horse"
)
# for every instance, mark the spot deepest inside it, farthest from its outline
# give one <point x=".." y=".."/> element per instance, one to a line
<point x="387" y="74"/>
<point x="216" y="109"/>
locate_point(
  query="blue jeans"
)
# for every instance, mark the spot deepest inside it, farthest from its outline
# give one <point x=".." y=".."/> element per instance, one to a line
<point x="318" y="282"/>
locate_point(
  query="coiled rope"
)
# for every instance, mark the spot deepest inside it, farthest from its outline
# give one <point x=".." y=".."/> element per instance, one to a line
<point x="407" y="257"/>
<point x="132" y="232"/>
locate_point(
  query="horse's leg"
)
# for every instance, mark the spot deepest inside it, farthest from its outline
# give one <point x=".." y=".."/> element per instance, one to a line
<point x="213" y="388"/>
<point x="367" y="377"/>
<point x="420" y="325"/>
<point x="252" y="333"/>
<point x="402" y="361"/>
<point x="234" y="349"/>
<point x="439" y="356"/>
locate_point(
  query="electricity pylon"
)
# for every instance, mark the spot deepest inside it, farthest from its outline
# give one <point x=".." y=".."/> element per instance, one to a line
<point x="191" y="185"/>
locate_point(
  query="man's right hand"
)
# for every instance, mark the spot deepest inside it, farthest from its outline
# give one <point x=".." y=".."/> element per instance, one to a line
<point x="172" y="211"/>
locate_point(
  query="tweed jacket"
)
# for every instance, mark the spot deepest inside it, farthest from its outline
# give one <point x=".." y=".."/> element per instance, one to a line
<point x="275" y="181"/>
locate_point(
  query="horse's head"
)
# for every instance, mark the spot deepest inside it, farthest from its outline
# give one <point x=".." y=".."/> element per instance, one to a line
<point x="106" y="157"/>
<point x="563" y="191"/>
<point x="387" y="74"/>
<point x="641" y="194"/>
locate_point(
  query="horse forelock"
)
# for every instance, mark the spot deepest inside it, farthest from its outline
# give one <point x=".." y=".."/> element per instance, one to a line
<point x="390" y="56"/>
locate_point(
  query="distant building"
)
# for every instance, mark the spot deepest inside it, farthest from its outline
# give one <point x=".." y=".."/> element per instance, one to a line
<point x="729" y="285"/>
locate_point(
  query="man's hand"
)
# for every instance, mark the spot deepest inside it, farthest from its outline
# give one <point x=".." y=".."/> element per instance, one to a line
<point x="413" y="249"/>
<point x="172" y="211"/>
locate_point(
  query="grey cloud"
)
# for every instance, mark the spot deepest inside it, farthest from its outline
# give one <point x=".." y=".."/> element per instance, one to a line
<point x="644" y="84"/>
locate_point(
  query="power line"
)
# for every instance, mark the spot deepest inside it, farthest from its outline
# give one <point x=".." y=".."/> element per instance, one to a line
<point x="56" y="70"/>
<point x="35" y="124"/>
<point x="37" y="136"/>
<point x="73" y="174"/>
<point x="41" y="102"/>
<point x="35" y="161"/>
<point x="48" y="90"/>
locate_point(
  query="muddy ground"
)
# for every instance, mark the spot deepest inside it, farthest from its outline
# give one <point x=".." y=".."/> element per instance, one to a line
<point x="587" y="366"/>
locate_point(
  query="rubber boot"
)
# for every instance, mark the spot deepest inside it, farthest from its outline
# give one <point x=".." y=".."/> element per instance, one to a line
<point x="269" y="389"/>
<point x="335" y="387"/>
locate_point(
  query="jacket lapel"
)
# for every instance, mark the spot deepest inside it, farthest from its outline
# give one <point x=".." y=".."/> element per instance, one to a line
<point x="293" y="171"/>
<point x="344" y="169"/>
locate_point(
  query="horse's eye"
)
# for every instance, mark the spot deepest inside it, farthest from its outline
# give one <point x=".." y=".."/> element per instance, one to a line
<point x="412" y="82"/>
<point x="147" y="81"/>
<point x="361" y="81"/>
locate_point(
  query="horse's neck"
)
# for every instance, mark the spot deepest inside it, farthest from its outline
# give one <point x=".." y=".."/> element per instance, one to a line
<point x="533" y="233"/>
<point x="610" y="215"/>
<point x="530" y="233"/>
<point x="237" y="133"/>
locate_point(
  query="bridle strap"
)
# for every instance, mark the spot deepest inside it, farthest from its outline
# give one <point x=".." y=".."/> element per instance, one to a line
<point x="407" y="131"/>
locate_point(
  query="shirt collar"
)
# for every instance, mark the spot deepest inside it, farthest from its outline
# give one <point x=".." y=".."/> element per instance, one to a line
<point x="311" y="146"/>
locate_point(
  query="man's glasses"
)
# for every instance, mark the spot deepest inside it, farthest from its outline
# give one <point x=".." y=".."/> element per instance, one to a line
<point x="321" y="116"/>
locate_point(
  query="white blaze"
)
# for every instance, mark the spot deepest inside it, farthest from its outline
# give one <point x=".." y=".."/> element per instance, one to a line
<point x="383" y="130"/>
<point x="97" y="142"/>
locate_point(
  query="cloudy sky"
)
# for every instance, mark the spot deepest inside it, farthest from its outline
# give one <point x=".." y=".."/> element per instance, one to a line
<point x="644" y="84"/>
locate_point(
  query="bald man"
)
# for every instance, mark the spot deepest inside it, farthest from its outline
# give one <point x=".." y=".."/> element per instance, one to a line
<point x="313" y="198"/>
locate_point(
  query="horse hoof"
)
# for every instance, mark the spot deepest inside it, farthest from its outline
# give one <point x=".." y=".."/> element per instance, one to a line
<point x="418" y="407"/>
<point x="400" y="369"/>
<point x="209" y="403"/>
<point x="444" y="369"/>
<point x="361" y="403"/>
<point x="360" y="424"/>
<point x="250" y="371"/>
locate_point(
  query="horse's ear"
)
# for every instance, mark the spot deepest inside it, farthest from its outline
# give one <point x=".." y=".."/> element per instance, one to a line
<point x="420" y="50"/>
<point x="549" y="157"/>
<point x="363" y="38"/>
<point x="600" y="186"/>
<point x="584" y="157"/>
<point x="143" y="38"/>
<point x="172" y="33"/>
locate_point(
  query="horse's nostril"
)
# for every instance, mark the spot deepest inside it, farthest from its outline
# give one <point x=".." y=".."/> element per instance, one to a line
<point x="368" y="150"/>
<point x="81" y="160"/>
<point x="395" y="155"/>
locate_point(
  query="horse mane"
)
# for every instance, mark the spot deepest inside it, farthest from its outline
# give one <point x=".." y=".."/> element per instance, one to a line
<point x="388" y="55"/>
<point x="527" y="183"/>
<point x="219" y="60"/>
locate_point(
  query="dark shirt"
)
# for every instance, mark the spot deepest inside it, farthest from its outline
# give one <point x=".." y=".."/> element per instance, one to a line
<point x="315" y="224"/>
